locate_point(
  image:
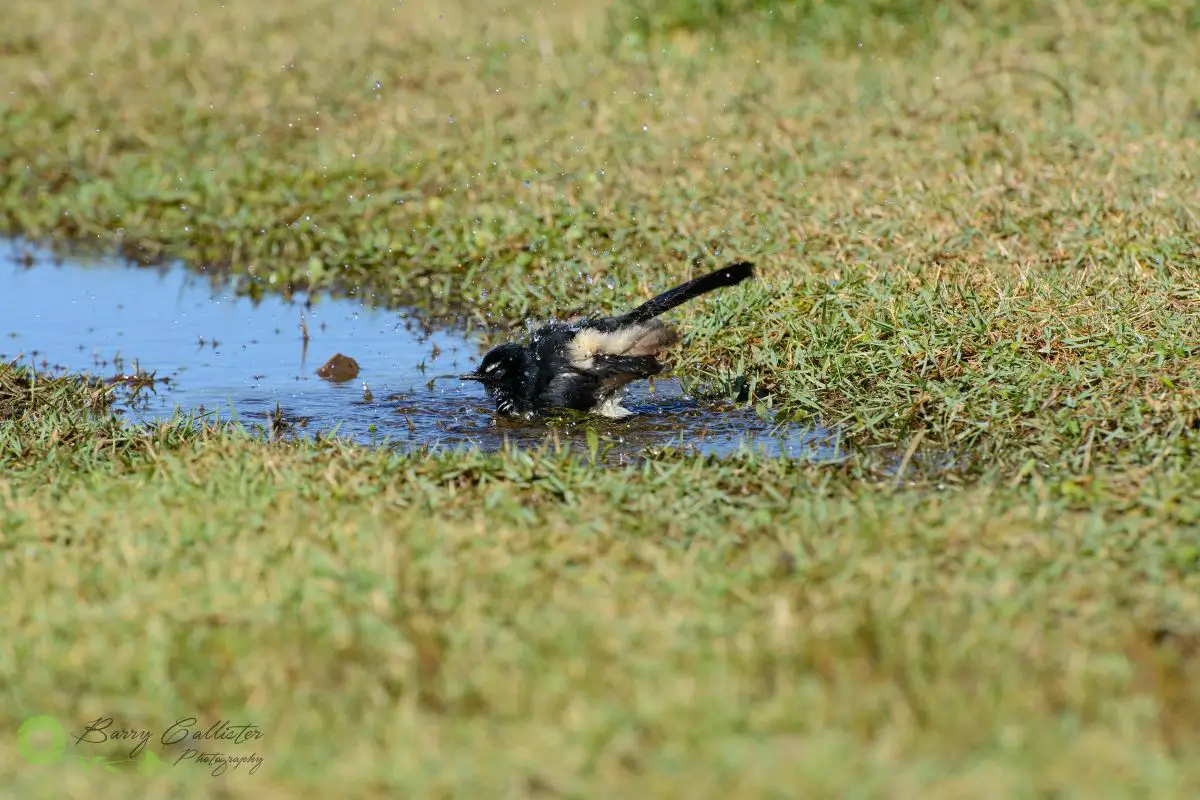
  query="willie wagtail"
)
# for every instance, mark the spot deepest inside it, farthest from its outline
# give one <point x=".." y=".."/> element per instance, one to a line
<point x="581" y="365"/>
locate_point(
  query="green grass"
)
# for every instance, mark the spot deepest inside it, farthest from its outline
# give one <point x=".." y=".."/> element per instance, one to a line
<point x="1016" y="272"/>
<point x="485" y="624"/>
<point x="473" y="625"/>
<point x="976" y="236"/>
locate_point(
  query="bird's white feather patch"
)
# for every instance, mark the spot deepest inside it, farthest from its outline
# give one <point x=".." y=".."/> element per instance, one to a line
<point x="612" y="408"/>
<point x="637" y="340"/>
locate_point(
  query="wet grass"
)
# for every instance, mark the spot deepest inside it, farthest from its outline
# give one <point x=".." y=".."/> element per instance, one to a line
<point x="977" y="237"/>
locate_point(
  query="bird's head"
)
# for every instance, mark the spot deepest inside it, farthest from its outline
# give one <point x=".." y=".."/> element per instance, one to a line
<point x="503" y="373"/>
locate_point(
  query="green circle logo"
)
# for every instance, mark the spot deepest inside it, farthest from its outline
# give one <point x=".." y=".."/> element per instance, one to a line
<point x="41" y="740"/>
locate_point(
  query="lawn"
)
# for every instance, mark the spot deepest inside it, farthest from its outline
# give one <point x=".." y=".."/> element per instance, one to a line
<point x="976" y="228"/>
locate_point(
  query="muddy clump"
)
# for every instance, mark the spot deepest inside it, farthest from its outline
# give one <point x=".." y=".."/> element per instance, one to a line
<point x="339" y="368"/>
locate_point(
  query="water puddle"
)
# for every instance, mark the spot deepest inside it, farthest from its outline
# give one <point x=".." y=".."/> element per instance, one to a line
<point x="211" y="349"/>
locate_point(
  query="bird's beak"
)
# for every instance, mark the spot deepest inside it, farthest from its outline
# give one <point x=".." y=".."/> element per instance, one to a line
<point x="470" y="376"/>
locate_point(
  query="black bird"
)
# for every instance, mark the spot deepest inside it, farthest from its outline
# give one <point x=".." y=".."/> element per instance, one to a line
<point x="582" y="365"/>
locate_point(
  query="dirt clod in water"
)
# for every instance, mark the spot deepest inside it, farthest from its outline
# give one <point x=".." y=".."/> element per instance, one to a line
<point x="339" y="368"/>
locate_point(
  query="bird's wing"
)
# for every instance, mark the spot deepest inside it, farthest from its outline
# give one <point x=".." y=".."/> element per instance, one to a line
<point x="579" y="367"/>
<point x="583" y="387"/>
<point x="625" y="368"/>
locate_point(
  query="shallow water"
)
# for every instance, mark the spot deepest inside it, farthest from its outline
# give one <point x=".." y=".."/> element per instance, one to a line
<point x="211" y="350"/>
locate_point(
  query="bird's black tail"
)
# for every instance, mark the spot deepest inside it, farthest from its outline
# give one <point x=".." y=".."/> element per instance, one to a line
<point x="730" y="275"/>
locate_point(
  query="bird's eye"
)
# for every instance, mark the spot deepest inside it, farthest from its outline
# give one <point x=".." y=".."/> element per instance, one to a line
<point x="492" y="367"/>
